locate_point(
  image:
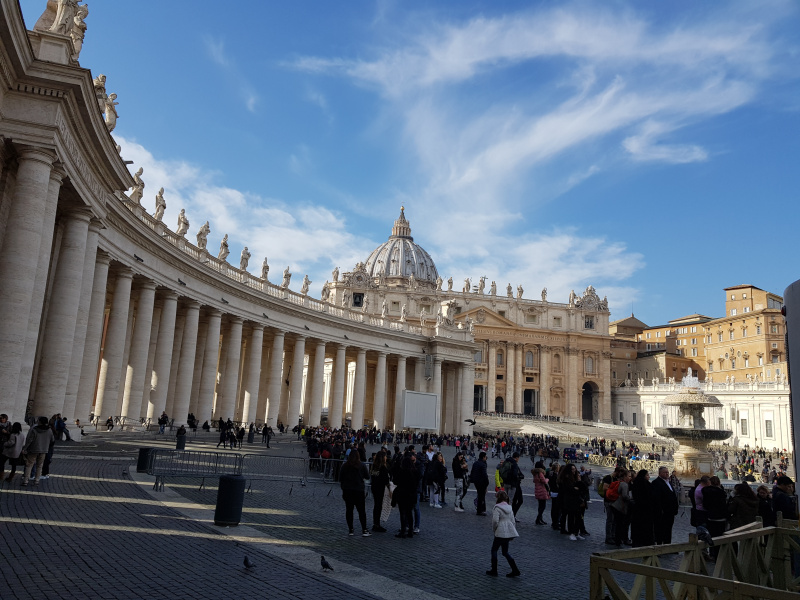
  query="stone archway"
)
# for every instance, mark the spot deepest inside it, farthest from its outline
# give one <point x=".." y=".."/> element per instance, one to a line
<point x="499" y="404"/>
<point x="589" y="396"/>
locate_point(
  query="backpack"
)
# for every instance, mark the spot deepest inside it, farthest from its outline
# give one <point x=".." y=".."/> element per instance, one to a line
<point x="612" y="492"/>
<point x="601" y="489"/>
<point x="505" y="470"/>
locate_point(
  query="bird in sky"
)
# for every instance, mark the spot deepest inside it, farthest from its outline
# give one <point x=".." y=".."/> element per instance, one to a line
<point x="326" y="566"/>
<point x="470" y="421"/>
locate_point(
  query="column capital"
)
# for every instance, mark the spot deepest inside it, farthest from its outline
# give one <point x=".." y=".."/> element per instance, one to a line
<point x="102" y="257"/>
<point x="123" y="272"/>
<point x="146" y="284"/>
<point x="362" y="351"/>
<point x="168" y="294"/>
<point x="43" y="155"/>
<point x="278" y="332"/>
<point x="236" y="320"/>
<point x="192" y="304"/>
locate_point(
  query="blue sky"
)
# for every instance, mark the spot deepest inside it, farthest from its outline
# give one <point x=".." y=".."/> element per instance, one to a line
<point x="648" y="149"/>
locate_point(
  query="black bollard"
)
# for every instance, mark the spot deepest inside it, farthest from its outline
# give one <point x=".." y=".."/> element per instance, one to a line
<point x="230" y="499"/>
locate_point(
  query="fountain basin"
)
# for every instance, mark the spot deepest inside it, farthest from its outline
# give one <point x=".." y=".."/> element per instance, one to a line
<point x="696" y="435"/>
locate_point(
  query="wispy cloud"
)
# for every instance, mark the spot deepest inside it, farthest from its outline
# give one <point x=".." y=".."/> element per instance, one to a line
<point x="216" y="51"/>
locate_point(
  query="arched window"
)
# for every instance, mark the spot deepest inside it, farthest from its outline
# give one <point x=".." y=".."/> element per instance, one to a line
<point x="529" y="359"/>
<point x="589" y="364"/>
<point x="499" y="359"/>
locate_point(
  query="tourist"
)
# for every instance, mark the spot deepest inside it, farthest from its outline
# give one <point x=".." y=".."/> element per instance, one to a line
<point x="379" y="480"/>
<point x="512" y="481"/>
<point x="163" y="420"/>
<point x="460" y="476"/>
<point x="556" y="521"/>
<point x="620" y="499"/>
<point x="642" y="513"/>
<point x="765" y="510"/>
<point x="109" y="423"/>
<point x="698" y="511"/>
<point x="12" y="451"/>
<point x="541" y="491"/>
<point x="406" y="495"/>
<point x="666" y="507"/>
<point x="571" y="500"/>
<point x="504" y="531"/>
<point x="266" y="433"/>
<point x="36" y="447"/>
<point x="351" y="479"/>
<point x="715" y="505"/>
<point x="480" y="479"/>
<point x="435" y="476"/>
<point x="782" y="498"/>
<point x="676" y="485"/>
<point x="743" y="506"/>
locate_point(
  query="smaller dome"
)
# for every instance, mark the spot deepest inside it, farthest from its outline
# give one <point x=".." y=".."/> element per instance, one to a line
<point x="400" y="257"/>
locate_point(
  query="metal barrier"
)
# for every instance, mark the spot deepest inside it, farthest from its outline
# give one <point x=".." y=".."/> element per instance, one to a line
<point x="190" y="463"/>
<point x="274" y="468"/>
<point x="324" y="470"/>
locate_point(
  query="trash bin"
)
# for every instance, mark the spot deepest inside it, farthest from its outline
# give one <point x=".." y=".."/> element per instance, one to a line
<point x="180" y="442"/>
<point x="251" y="437"/>
<point x="230" y="498"/>
<point x="144" y="458"/>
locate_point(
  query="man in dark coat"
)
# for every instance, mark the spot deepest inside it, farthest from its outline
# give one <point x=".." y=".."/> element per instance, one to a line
<point x="480" y="478"/>
<point x="666" y="507"/>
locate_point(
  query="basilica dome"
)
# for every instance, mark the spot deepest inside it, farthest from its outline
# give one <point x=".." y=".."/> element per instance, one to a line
<point x="399" y="256"/>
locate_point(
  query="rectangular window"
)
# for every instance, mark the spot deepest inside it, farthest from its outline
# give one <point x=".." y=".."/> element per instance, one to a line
<point x="502" y="313"/>
<point x="719" y="337"/>
<point x="721" y="423"/>
<point x="588" y="323"/>
<point x="479" y="356"/>
<point x="768" y="432"/>
<point x="758" y="329"/>
<point x="620" y="418"/>
<point x="499" y="377"/>
<point x="743" y="424"/>
<point x="760" y="361"/>
<point x="613" y="374"/>
<point x="733" y="363"/>
<point x="426" y="308"/>
<point x="694" y="329"/>
<point x="747" y="309"/>
<point x="694" y="340"/>
<point x="648" y="346"/>
<point x="710" y="367"/>
<point x="733" y="312"/>
<point x="658" y="334"/>
<point x="556" y="321"/>
<point x="648" y="335"/>
<point x="634" y="419"/>
<point x="395" y="306"/>
<point x="499" y="359"/>
<point x="731" y="335"/>
<point x="531" y="318"/>
<point x="649" y="420"/>
<point x="773" y="329"/>
<point x="744" y="332"/>
<point x="694" y="351"/>
<point x="746" y="362"/>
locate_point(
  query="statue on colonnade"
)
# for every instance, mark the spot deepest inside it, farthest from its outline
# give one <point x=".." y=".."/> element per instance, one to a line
<point x="138" y="186"/>
<point x="202" y="236"/>
<point x="224" y="251"/>
<point x="265" y="270"/>
<point x="183" y="224"/>
<point x="161" y="205"/>
<point x="287" y="277"/>
<point x="306" y="285"/>
<point x="244" y="259"/>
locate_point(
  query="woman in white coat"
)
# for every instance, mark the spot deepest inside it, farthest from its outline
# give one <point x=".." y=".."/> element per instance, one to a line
<point x="504" y="532"/>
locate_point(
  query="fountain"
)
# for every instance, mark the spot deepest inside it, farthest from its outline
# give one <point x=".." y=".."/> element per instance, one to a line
<point x="692" y="457"/>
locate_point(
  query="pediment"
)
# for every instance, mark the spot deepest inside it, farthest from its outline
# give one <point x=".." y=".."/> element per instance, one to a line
<point x="486" y="317"/>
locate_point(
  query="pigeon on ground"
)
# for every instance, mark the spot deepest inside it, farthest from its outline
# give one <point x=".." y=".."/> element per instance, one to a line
<point x="470" y="421"/>
<point x="704" y="536"/>
<point x="326" y="566"/>
<point x="247" y="563"/>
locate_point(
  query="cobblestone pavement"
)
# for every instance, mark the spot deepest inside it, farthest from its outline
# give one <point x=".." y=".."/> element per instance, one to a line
<point x="96" y="529"/>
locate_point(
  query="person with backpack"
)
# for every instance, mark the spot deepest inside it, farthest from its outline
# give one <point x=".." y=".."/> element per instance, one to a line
<point x="512" y="478"/>
<point x="602" y="487"/>
<point x="541" y="490"/>
<point x="618" y="493"/>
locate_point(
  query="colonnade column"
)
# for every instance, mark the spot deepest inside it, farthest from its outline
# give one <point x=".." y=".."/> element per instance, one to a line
<point x="230" y="380"/>
<point x="94" y="333"/>
<point x="252" y="379"/>
<point x="467" y="397"/>
<point x="359" y="389"/>
<point x="296" y="389"/>
<point x="511" y="379"/>
<point x="151" y="359"/>
<point x="274" y="386"/>
<point x="336" y="409"/>
<point x="379" y="403"/>
<point x="400" y="386"/>
<point x="183" y="387"/>
<point x="199" y="359"/>
<point x="140" y="345"/>
<point x="491" y="378"/>
<point x="111" y="367"/>
<point x="59" y="328"/>
<point x="544" y="380"/>
<point x="26" y="236"/>
<point x="317" y="385"/>
<point x="159" y="378"/>
<point x="180" y="322"/>
<point x="208" y="377"/>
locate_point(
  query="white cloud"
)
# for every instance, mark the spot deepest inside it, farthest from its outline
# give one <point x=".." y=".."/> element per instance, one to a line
<point x="216" y="50"/>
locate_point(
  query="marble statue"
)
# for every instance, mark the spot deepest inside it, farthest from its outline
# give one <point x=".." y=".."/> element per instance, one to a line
<point x="422" y="317"/>
<point x="727" y="378"/>
<point x="449" y="284"/>
<point x="365" y="304"/>
<point x="224" y="251"/>
<point x="404" y="314"/>
<point x="572" y="298"/>
<point x="381" y="278"/>
<point x="265" y="270"/>
<point x="345" y="299"/>
<point x="183" y="224"/>
<point x="469" y="324"/>
<point x="119" y="149"/>
<point x="111" y="112"/>
<point x="100" y="91"/>
<point x="287" y="277"/>
<point x="450" y="313"/>
<point x="65" y="16"/>
<point x="306" y="285"/>
<point x="335" y="275"/>
<point x="439" y="316"/>
<point x="655" y="381"/>
<point x="544" y="294"/>
<point x="493" y="289"/>
<point x="202" y="236"/>
<point x="467" y="285"/>
<point x="244" y="259"/>
<point x="326" y="292"/>
<point x="161" y="205"/>
<point x="733" y="378"/>
<point x="439" y="284"/>
<point x="78" y="30"/>
<point x="509" y="291"/>
<point x="482" y="284"/>
<point x="138" y="186"/>
<point x="520" y="291"/>
<point x="384" y="309"/>
<point x="412" y="282"/>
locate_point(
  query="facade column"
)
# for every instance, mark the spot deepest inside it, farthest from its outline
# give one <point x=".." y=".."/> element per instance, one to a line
<point x="140" y="345"/>
<point x="183" y="386"/>
<point x="573" y="397"/>
<point x="253" y="379"/>
<point x="208" y="377"/>
<point x="94" y="334"/>
<point x="114" y="348"/>
<point x="230" y="380"/>
<point x="544" y="380"/>
<point x="379" y="404"/>
<point x="400" y="386"/>
<point x="359" y="389"/>
<point x="27" y="236"/>
<point x="491" y="378"/>
<point x="59" y="329"/>
<point x="159" y="378"/>
<point x="82" y="320"/>
<point x="450" y="393"/>
<point x="317" y="385"/>
<point x="436" y="387"/>
<point x="511" y="379"/>
<point x="419" y="374"/>
<point x="275" y="384"/>
<point x="336" y="410"/>
<point x="296" y="390"/>
<point x="467" y="397"/>
<point x="604" y="409"/>
<point x="520" y="380"/>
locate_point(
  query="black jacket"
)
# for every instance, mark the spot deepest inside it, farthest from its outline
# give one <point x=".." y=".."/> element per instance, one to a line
<point x="666" y="500"/>
<point x="478" y="475"/>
